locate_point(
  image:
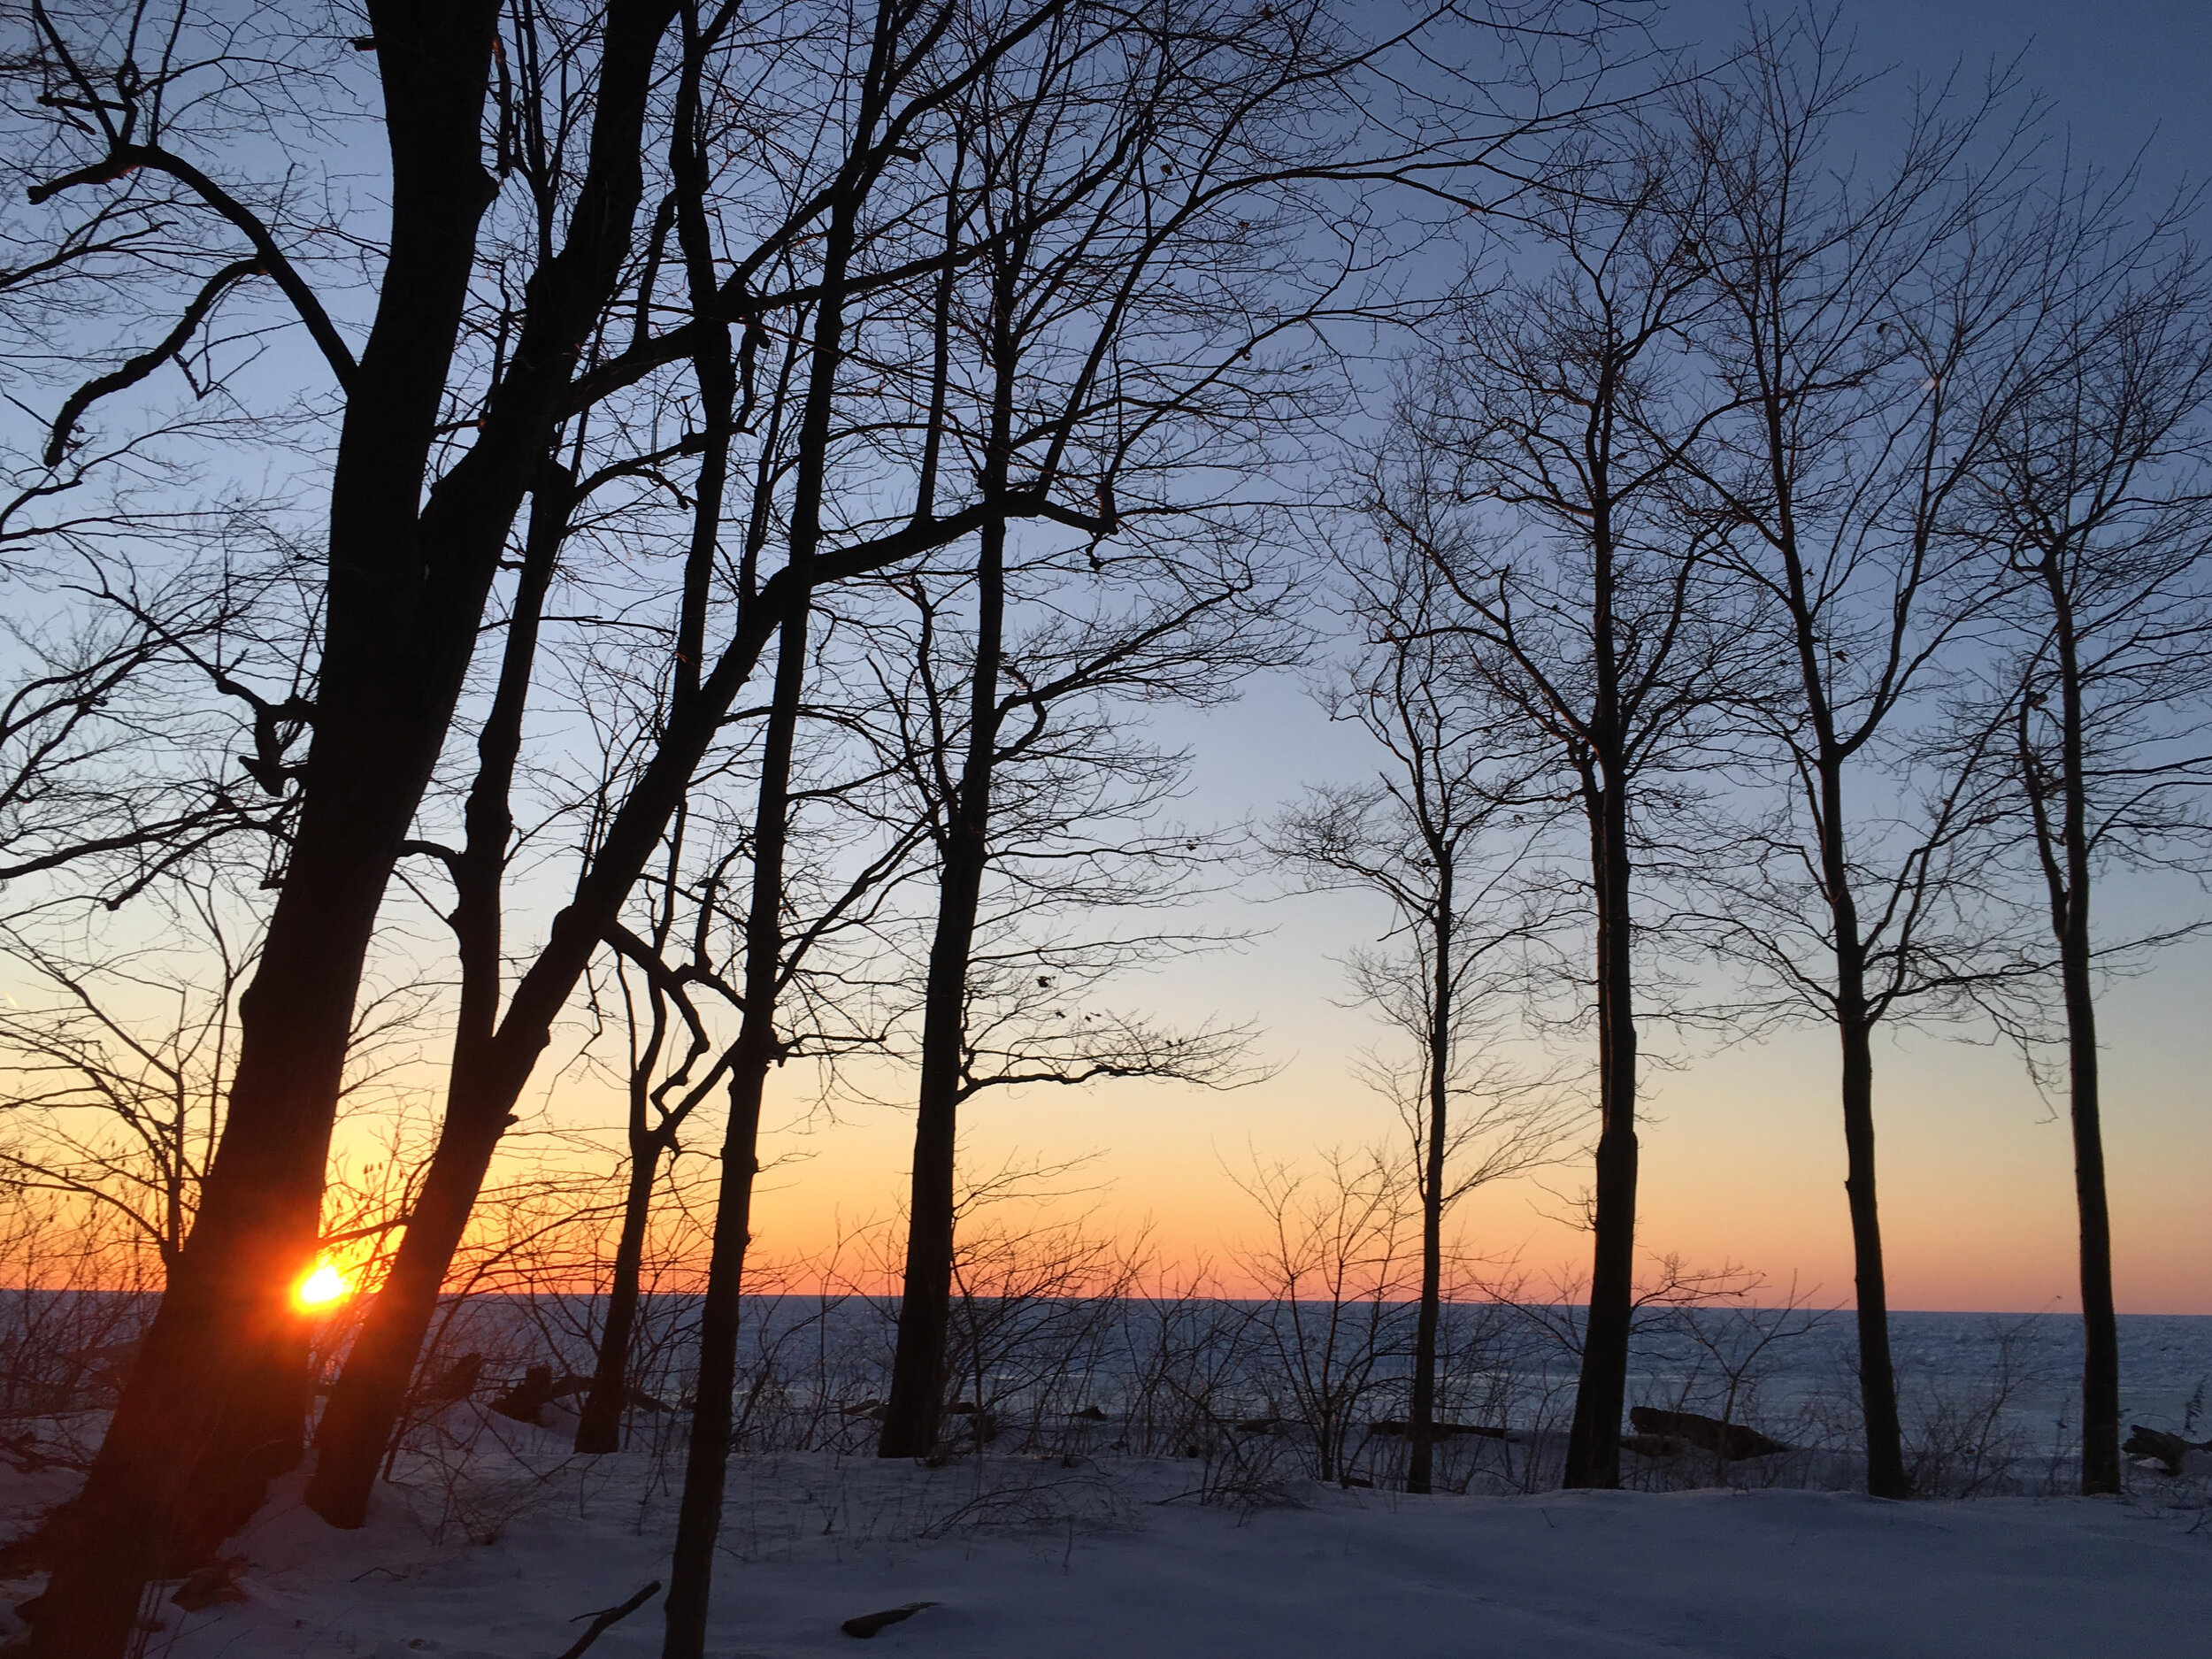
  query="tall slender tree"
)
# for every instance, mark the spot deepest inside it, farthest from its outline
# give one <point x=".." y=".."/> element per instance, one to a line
<point x="1444" y="835"/>
<point x="1595" y="607"/>
<point x="1864" y="329"/>
<point x="2098" y="507"/>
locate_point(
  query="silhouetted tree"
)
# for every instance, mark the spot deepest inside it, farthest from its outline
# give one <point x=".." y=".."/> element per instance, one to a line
<point x="1543" y="467"/>
<point x="1864" y="327"/>
<point x="2096" y="502"/>
<point x="1443" y="835"/>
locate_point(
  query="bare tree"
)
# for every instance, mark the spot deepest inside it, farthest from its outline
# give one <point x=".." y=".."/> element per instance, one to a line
<point x="2096" y="505"/>
<point x="1863" y="327"/>
<point x="1441" y="835"/>
<point x="1595" y="609"/>
<point x="1074" y="836"/>
<point x="493" y="330"/>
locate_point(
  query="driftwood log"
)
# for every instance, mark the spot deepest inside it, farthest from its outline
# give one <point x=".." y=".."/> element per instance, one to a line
<point x="1729" y="1441"/>
<point x="1396" y="1428"/>
<point x="527" y="1400"/>
<point x="867" y="1624"/>
<point x="2170" y="1449"/>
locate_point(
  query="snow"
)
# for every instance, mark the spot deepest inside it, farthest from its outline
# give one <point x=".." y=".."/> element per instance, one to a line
<point x="1028" y="1557"/>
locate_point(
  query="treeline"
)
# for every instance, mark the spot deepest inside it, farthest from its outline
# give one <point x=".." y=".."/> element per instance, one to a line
<point x="647" y="531"/>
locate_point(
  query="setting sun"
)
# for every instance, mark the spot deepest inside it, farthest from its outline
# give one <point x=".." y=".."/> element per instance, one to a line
<point x="324" y="1287"/>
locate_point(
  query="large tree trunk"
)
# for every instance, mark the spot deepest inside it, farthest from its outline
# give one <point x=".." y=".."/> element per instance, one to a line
<point x="216" y="1402"/>
<point x="1594" y="1438"/>
<point x="1421" y="1456"/>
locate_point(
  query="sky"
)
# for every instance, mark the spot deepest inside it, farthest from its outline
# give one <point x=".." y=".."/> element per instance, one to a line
<point x="1742" y="1160"/>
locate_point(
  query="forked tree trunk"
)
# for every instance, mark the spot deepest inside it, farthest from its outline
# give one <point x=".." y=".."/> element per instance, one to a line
<point x="217" y="1399"/>
<point x="370" y="1397"/>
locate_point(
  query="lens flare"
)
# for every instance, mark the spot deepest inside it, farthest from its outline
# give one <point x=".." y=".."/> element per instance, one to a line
<point x="325" y="1287"/>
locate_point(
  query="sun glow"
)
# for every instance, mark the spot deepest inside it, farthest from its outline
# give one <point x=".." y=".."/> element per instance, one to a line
<point x="325" y="1287"/>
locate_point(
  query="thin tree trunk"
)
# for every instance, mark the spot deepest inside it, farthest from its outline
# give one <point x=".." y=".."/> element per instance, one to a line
<point x="699" y="1513"/>
<point x="371" y="1395"/>
<point x="911" y="1412"/>
<point x="2067" y="870"/>
<point x="599" y="1428"/>
<point x="1594" y="1438"/>
<point x="1421" y="1424"/>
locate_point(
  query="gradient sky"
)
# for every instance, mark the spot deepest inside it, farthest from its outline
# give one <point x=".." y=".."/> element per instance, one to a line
<point x="1742" y="1160"/>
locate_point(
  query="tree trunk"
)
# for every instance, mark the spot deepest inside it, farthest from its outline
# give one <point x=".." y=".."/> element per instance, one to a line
<point x="600" y="1427"/>
<point x="2066" y="869"/>
<point x="699" y="1513"/>
<point x="1885" y="1475"/>
<point x="918" y="1367"/>
<point x="2101" y="1333"/>
<point x="919" y="1364"/>
<point x="371" y="1395"/>
<point x="1594" y="1438"/>
<point x="216" y="1400"/>
<point x="706" y="1468"/>
<point x="1421" y="1425"/>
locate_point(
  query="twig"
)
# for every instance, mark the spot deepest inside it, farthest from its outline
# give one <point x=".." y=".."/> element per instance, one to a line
<point x="606" y="1618"/>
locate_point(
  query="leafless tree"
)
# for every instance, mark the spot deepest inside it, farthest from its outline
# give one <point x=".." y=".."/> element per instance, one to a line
<point x="1863" y="327"/>
<point x="1543" y="466"/>
<point x="1444" y="835"/>
<point x="2095" y="507"/>
<point x="1075" y="837"/>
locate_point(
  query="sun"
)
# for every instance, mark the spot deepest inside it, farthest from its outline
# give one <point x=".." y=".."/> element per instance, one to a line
<point x="325" y="1287"/>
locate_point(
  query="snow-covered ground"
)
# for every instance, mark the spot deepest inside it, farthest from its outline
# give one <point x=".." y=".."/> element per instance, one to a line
<point x="1027" y="1557"/>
